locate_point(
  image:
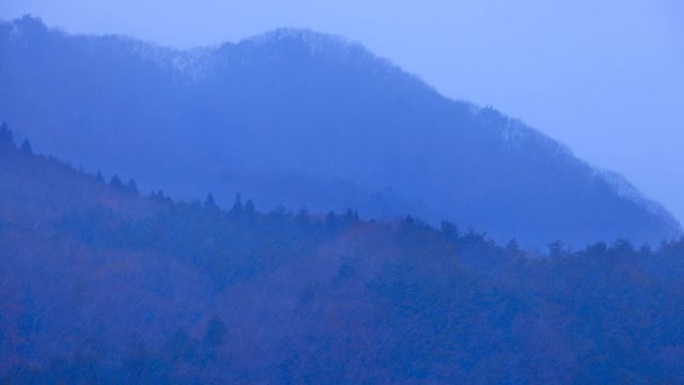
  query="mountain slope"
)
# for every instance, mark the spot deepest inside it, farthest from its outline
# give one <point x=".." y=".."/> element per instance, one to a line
<point x="110" y="287"/>
<point x="305" y="119"/>
<point x="36" y="190"/>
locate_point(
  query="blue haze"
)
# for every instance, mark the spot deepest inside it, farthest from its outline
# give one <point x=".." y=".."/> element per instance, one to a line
<point x="604" y="77"/>
<point x="306" y="119"/>
<point x="347" y="258"/>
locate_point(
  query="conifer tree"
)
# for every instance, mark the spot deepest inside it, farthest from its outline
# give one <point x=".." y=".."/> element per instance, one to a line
<point x="26" y="146"/>
<point x="132" y="186"/>
<point x="6" y="134"/>
<point x="210" y="203"/>
<point x="116" y="183"/>
<point x="249" y="207"/>
<point x="237" y="206"/>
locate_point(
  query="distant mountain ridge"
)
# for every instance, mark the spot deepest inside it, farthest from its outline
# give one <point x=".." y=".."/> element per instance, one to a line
<point x="305" y="119"/>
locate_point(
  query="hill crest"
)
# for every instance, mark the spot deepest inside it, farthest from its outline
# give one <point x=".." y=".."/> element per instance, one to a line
<point x="307" y="119"/>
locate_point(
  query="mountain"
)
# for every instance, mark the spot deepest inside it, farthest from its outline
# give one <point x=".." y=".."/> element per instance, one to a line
<point x="305" y="119"/>
<point x="101" y="285"/>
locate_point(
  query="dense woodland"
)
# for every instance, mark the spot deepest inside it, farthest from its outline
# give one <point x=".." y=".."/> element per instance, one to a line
<point x="100" y="283"/>
<point x="303" y="118"/>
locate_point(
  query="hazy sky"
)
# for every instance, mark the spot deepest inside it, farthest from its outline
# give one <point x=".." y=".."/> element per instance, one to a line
<point x="605" y="77"/>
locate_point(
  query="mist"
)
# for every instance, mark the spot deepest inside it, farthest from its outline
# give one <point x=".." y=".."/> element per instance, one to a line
<point x="602" y="77"/>
<point x="341" y="193"/>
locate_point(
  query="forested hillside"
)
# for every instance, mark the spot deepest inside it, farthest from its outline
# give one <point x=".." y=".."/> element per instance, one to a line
<point x="99" y="284"/>
<point x="306" y="119"/>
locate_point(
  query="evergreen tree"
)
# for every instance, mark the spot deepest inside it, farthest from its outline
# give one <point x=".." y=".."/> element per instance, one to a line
<point x="555" y="249"/>
<point x="513" y="247"/>
<point x="6" y="134"/>
<point x="302" y="218"/>
<point x="26" y="146"/>
<point x="449" y="230"/>
<point x="250" y="210"/>
<point x="331" y="222"/>
<point x="132" y="186"/>
<point x="350" y="217"/>
<point x="116" y="183"/>
<point x="237" y="206"/>
<point x="210" y="203"/>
